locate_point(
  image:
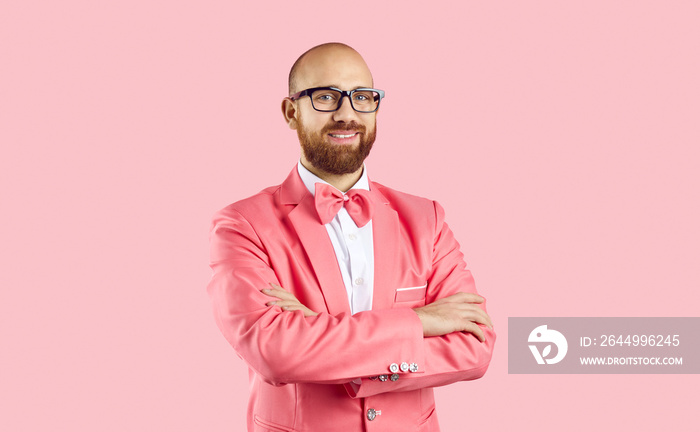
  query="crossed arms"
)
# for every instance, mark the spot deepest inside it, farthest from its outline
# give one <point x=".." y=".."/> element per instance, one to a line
<point x="450" y="338"/>
<point x="458" y="312"/>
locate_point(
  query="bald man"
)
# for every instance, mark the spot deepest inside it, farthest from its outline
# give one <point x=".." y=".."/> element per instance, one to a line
<point x="348" y="300"/>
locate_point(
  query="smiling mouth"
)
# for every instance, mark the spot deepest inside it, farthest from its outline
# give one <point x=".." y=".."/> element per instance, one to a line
<point x="343" y="135"/>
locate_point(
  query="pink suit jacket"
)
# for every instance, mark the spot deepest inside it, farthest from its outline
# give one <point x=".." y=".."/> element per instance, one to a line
<point x="321" y="373"/>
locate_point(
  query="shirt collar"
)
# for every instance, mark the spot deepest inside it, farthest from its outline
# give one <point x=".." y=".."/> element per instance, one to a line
<point x="310" y="179"/>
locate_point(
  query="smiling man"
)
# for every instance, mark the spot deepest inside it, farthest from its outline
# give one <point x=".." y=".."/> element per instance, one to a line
<point x="348" y="300"/>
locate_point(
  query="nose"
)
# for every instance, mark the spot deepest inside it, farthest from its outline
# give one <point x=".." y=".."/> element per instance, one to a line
<point x="345" y="113"/>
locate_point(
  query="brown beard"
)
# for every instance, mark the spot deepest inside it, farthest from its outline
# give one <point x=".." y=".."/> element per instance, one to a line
<point x="333" y="159"/>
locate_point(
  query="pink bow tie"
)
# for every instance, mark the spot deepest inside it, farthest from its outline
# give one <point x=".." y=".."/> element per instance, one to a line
<point x="328" y="201"/>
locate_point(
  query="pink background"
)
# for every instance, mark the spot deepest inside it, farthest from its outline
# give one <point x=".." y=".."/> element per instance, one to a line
<point x="561" y="137"/>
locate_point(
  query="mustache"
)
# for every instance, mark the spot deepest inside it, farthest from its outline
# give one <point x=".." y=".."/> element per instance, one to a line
<point x="337" y="126"/>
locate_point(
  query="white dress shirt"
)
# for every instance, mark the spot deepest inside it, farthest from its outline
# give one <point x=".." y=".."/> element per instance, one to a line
<point x="354" y="246"/>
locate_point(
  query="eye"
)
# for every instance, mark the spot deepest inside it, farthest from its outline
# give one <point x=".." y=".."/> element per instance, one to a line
<point x="325" y="97"/>
<point x="361" y="97"/>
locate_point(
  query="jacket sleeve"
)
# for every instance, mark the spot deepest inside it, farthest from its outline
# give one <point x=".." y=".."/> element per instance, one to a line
<point x="286" y="347"/>
<point x="449" y="358"/>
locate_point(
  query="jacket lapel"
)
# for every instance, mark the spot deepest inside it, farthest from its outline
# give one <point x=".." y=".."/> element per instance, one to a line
<point x="316" y="243"/>
<point x="385" y="232"/>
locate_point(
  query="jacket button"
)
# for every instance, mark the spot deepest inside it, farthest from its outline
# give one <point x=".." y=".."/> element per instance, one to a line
<point x="404" y="367"/>
<point x="383" y="378"/>
<point x="413" y="367"/>
<point x="394" y="377"/>
<point x="371" y="414"/>
<point x="394" y="368"/>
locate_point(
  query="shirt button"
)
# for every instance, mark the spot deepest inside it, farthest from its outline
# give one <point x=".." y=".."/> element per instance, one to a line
<point x="371" y="414"/>
<point x="352" y="237"/>
<point x="394" y="368"/>
<point x="359" y="281"/>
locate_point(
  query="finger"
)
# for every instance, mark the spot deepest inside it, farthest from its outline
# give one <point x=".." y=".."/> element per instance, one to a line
<point x="488" y="319"/>
<point x="469" y="297"/>
<point x="283" y="295"/>
<point x="468" y="312"/>
<point x="476" y="331"/>
<point x="272" y="293"/>
<point x="476" y="314"/>
<point x="294" y="306"/>
<point x="279" y="292"/>
<point x="277" y="286"/>
<point x="481" y="317"/>
<point x="306" y="311"/>
<point x="284" y="303"/>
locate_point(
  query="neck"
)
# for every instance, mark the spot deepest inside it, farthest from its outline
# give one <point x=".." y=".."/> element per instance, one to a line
<point x="342" y="182"/>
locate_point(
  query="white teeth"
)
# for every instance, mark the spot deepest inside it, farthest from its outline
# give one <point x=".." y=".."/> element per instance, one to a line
<point x="342" y="136"/>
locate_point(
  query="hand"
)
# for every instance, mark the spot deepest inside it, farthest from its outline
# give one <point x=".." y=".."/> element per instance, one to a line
<point x="286" y="301"/>
<point x="458" y="312"/>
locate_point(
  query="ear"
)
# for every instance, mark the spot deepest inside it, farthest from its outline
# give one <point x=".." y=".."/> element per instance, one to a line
<point x="289" y="111"/>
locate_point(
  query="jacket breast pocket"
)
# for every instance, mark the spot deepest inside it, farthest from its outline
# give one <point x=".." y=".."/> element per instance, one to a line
<point x="411" y="297"/>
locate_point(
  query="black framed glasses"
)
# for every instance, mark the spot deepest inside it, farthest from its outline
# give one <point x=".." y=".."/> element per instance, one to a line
<point x="329" y="99"/>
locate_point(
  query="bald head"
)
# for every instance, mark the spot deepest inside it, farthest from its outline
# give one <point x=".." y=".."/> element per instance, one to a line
<point x="329" y="64"/>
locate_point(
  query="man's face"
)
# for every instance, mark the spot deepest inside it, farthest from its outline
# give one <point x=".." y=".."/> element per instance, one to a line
<point x="335" y="142"/>
<point x="335" y="147"/>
